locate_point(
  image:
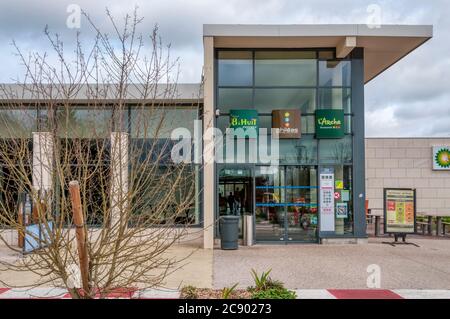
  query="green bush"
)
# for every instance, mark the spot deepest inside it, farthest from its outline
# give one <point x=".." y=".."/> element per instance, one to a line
<point x="274" y="293"/>
<point x="268" y="288"/>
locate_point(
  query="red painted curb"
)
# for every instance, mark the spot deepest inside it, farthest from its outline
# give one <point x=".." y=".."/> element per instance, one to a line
<point x="364" y="294"/>
<point x="2" y="290"/>
<point x="114" y="293"/>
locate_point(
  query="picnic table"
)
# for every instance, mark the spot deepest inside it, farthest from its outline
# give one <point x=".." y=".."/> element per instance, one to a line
<point x="426" y="224"/>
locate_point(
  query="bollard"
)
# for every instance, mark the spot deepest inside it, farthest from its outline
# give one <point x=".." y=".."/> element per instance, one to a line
<point x="377" y="225"/>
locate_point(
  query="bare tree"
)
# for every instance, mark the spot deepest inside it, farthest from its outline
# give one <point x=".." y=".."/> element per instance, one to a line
<point x="103" y="119"/>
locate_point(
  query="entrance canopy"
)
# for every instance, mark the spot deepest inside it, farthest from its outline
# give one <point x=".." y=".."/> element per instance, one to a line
<point x="383" y="46"/>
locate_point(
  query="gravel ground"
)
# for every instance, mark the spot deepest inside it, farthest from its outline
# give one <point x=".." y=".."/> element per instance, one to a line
<point x="339" y="266"/>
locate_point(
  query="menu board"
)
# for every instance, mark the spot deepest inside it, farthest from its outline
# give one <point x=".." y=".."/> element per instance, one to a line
<point x="399" y="210"/>
<point x="327" y="202"/>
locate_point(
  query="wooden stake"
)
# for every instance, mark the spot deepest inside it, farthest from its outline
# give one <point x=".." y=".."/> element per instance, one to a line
<point x="21" y="234"/>
<point x="74" y="189"/>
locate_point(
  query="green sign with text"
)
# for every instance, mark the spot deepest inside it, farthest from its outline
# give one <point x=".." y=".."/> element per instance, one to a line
<point x="247" y="120"/>
<point x="329" y="123"/>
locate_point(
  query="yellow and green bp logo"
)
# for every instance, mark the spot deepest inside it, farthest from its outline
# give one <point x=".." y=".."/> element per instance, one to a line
<point x="442" y="158"/>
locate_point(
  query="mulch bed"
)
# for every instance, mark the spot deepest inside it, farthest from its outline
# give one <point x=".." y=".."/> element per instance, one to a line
<point x="205" y="293"/>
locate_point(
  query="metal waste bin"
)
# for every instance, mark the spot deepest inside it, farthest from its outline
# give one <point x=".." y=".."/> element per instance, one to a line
<point x="229" y="232"/>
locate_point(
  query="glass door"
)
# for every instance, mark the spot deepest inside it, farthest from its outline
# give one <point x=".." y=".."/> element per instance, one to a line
<point x="269" y="208"/>
<point x="286" y="204"/>
<point x="235" y="194"/>
<point x="301" y="203"/>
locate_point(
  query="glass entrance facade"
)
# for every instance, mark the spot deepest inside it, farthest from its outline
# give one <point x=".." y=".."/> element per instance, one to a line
<point x="286" y="202"/>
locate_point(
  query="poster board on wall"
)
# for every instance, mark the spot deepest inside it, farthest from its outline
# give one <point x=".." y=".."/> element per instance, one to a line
<point x="399" y="210"/>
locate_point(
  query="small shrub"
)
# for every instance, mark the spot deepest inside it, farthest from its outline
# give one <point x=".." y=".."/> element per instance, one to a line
<point x="274" y="284"/>
<point x="261" y="280"/>
<point x="189" y="292"/>
<point x="227" y="291"/>
<point x="274" y="293"/>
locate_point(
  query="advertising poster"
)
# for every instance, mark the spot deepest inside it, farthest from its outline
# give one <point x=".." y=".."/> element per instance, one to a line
<point x="327" y="202"/>
<point x="399" y="210"/>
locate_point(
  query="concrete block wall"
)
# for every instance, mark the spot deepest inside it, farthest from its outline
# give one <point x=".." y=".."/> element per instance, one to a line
<point x="407" y="162"/>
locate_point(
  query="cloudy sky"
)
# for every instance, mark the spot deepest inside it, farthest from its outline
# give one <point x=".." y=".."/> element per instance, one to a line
<point x="412" y="98"/>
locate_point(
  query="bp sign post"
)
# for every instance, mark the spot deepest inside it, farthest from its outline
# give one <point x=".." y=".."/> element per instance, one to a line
<point x="399" y="212"/>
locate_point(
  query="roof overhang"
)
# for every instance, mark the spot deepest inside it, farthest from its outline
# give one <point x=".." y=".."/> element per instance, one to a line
<point x="383" y="46"/>
<point x="180" y="93"/>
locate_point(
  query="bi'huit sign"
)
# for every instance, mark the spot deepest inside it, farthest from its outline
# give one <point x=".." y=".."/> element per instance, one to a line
<point x="244" y="122"/>
<point x="329" y="123"/>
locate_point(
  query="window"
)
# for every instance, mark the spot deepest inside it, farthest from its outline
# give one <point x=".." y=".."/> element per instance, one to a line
<point x="335" y="99"/>
<point x="335" y="150"/>
<point x="84" y="122"/>
<point x="343" y="222"/>
<point x="17" y="122"/>
<point x="159" y="121"/>
<point x="235" y="68"/>
<point x="234" y="99"/>
<point x="268" y="99"/>
<point x="334" y="73"/>
<point x="285" y="68"/>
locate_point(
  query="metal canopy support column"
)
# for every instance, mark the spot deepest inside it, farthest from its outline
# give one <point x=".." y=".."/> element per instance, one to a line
<point x="359" y="191"/>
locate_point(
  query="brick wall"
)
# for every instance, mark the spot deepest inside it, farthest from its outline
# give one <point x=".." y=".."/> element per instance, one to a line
<point x="407" y="162"/>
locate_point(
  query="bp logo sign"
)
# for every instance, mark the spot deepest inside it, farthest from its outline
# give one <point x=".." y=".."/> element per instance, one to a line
<point x="441" y="157"/>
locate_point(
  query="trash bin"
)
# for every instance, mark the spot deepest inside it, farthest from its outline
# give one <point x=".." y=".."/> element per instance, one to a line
<point x="229" y="232"/>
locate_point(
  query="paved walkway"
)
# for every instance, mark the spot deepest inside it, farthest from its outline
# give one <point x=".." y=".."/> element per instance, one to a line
<point x="340" y="266"/>
<point x="59" y="293"/>
<point x="194" y="267"/>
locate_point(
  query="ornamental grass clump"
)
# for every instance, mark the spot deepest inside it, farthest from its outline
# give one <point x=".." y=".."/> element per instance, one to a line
<point x="268" y="288"/>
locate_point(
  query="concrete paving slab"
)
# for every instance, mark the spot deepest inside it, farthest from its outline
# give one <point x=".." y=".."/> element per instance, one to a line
<point x="316" y="266"/>
<point x="314" y="294"/>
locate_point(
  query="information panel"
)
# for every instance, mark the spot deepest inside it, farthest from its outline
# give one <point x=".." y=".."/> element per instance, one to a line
<point x="399" y="210"/>
<point x="327" y="202"/>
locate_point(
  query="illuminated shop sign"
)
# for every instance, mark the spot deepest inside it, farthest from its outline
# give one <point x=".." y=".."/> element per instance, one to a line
<point x="247" y="120"/>
<point x="287" y="123"/>
<point x="329" y="123"/>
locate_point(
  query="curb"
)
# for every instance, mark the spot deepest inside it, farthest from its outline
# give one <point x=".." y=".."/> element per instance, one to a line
<point x="59" y="293"/>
